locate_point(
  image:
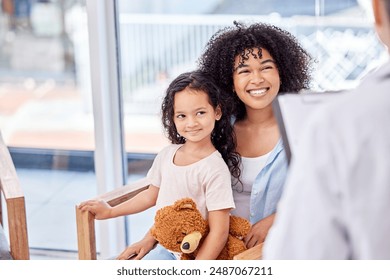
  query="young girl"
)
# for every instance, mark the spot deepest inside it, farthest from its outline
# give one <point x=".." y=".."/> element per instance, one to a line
<point x="194" y="165"/>
<point x="252" y="65"/>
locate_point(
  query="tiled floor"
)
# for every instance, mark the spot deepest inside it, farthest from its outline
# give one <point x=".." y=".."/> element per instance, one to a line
<point x="51" y="196"/>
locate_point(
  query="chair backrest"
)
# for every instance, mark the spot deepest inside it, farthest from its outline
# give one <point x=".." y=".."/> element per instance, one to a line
<point x="16" y="207"/>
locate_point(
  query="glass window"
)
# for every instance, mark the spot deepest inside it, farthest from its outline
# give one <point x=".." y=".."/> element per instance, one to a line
<point x="46" y="115"/>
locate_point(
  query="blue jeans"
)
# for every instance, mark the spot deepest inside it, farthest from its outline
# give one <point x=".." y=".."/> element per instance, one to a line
<point x="159" y="253"/>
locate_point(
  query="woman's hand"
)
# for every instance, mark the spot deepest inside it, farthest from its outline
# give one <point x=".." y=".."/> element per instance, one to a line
<point x="139" y="249"/>
<point x="259" y="231"/>
<point x="101" y="209"/>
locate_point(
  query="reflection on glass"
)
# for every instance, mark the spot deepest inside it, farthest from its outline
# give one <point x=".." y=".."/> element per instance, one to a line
<point x="46" y="113"/>
<point x="44" y="86"/>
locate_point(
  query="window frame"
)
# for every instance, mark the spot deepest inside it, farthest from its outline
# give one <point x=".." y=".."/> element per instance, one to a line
<point x="110" y="163"/>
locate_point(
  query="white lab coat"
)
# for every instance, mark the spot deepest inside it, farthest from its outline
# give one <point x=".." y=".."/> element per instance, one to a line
<point x="336" y="203"/>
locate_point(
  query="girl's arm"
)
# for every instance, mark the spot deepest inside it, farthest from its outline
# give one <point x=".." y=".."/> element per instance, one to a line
<point x="139" y="249"/>
<point x="142" y="201"/>
<point x="259" y="231"/>
<point x="217" y="237"/>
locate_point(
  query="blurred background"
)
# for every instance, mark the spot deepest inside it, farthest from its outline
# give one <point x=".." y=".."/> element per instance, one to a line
<point x="47" y="114"/>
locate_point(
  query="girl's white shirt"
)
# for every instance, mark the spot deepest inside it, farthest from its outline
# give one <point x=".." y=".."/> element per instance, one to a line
<point x="206" y="181"/>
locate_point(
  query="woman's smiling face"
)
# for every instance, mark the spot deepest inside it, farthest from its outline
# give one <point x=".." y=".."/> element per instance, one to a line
<point x="256" y="80"/>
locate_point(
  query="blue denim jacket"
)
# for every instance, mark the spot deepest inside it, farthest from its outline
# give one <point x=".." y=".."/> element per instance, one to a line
<point x="268" y="185"/>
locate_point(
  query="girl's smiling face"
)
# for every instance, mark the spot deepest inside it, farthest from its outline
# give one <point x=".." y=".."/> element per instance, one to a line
<point x="194" y="116"/>
<point x="256" y="80"/>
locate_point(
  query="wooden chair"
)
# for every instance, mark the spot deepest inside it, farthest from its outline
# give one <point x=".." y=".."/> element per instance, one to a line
<point x="16" y="209"/>
<point x="254" y="253"/>
<point x="86" y="223"/>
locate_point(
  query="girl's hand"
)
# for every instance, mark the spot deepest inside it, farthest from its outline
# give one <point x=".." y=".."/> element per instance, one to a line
<point x="259" y="231"/>
<point x="139" y="249"/>
<point x="101" y="209"/>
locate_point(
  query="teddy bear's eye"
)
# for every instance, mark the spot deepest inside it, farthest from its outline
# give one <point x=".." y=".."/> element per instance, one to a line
<point x="184" y="234"/>
<point x="179" y="240"/>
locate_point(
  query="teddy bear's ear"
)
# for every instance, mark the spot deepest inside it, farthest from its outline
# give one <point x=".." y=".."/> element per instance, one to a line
<point x="185" y="203"/>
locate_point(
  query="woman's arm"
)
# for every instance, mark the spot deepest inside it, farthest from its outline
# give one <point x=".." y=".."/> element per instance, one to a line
<point x="259" y="231"/>
<point x="142" y="201"/>
<point x="217" y="237"/>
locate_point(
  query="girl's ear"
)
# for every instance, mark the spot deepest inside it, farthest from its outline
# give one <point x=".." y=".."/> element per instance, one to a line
<point x="218" y="113"/>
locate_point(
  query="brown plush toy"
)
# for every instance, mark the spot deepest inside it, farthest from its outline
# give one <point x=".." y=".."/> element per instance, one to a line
<point x="181" y="228"/>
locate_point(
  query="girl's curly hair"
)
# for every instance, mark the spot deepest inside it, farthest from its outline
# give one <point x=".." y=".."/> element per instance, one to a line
<point x="223" y="136"/>
<point x="293" y="62"/>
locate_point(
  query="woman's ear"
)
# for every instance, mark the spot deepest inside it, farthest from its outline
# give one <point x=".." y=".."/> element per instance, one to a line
<point x="382" y="21"/>
<point x="218" y="113"/>
<point x="377" y="12"/>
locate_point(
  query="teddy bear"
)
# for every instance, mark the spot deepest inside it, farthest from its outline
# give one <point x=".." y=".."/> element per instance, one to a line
<point x="181" y="228"/>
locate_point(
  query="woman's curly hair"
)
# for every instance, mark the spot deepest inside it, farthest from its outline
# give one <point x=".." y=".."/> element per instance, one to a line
<point x="293" y="62"/>
<point x="223" y="136"/>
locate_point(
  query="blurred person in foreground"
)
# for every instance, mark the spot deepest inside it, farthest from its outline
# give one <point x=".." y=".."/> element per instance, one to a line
<point x="337" y="193"/>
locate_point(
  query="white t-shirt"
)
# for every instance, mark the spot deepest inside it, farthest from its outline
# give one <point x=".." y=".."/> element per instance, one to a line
<point x="250" y="168"/>
<point x="207" y="181"/>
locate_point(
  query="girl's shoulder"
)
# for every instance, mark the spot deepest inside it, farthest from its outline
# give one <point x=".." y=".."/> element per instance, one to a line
<point x="170" y="149"/>
<point x="215" y="160"/>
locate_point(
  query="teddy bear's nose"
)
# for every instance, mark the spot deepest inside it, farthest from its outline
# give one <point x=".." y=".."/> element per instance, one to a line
<point x="186" y="246"/>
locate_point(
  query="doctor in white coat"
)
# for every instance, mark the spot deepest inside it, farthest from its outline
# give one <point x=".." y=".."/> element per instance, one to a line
<point x="336" y="203"/>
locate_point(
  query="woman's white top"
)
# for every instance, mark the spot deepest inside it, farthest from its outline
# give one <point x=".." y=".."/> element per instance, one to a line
<point x="250" y="168"/>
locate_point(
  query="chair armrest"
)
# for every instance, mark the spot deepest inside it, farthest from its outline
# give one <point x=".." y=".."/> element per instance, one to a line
<point x="16" y="207"/>
<point x="124" y="193"/>
<point x="86" y="237"/>
<point x="254" y="253"/>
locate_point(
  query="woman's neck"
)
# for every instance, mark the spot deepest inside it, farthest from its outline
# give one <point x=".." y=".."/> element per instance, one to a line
<point x="257" y="134"/>
<point x="260" y="118"/>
